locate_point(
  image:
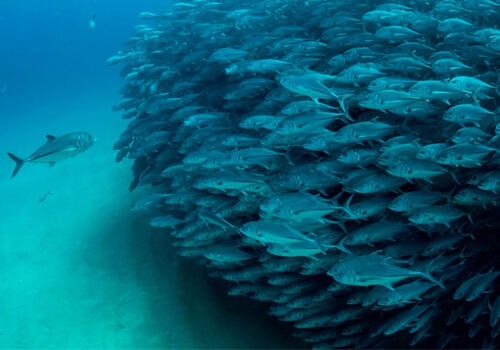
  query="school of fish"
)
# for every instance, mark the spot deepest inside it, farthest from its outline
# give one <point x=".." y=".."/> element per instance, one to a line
<point x="338" y="160"/>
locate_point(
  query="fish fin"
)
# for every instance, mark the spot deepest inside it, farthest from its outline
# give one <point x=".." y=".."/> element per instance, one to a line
<point x="347" y="206"/>
<point x="342" y="226"/>
<point x="388" y="286"/>
<point x="323" y="192"/>
<point x="340" y="246"/>
<point x="134" y="184"/>
<point x="19" y="163"/>
<point x="226" y="222"/>
<point x="50" y="137"/>
<point x="427" y="274"/>
<point x="51" y="164"/>
<point x="470" y="219"/>
<point x="344" y="108"/>
<point x="454" y="177"/>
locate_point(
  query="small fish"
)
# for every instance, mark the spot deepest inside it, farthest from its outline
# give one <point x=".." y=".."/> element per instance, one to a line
<point x="411" y="201"/>
<point x="44" y="197"/>
<point x="373" y="270"/>
<point x="435" y="215"/>
<point x="165" y="221"/>
<point x="92" y="23"/>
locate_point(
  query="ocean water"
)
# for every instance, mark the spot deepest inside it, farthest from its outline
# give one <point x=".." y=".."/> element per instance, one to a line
<point x="336" y="159"/>
<point x="79" y="270"/>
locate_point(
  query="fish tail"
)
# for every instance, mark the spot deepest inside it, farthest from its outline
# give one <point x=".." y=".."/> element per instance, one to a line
<point x="429" y="277"/>
<point x="454" y="177"/>
<point x="347" y="206"/>
<point x="340" y="246"/>
<point x="19" y="163"/>
<point x="345" y="108"/>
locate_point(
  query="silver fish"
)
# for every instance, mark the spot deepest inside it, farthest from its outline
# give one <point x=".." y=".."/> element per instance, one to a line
<point x="56" y="149"/>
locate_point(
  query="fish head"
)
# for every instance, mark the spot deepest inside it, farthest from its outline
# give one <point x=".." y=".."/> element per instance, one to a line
<point x="84" y="141"/>
<point x="456" y="83"/>
<point x="250" y="229"/>
<point x="425" y="153"/>
<point x="475" y="179"/>
<point x="421" y="217"/>
<point x="378" y="84"/>
<point x="401" y="204"/>
<point x="270" y="205"/>
<point x="488" y="183"/>
<point x="465" y="196"/>
<point x="343" y="273"/>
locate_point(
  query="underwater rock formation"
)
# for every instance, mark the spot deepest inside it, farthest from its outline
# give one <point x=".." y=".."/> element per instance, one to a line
<point x="335" y="159"/>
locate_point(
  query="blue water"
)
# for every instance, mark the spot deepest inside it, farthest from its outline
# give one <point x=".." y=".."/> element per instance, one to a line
<point x="79" y="270"/>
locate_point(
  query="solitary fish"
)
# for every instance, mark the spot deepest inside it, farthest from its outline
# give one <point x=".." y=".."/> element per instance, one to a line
<point x="44" y="197"/>
<point x="56" y="149"/>
<point x="92" y="23"/>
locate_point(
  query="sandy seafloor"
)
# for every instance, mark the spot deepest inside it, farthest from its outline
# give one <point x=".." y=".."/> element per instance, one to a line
<point x="80" y="270"/>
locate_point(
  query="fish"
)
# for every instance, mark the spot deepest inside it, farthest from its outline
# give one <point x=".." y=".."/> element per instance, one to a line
<point x="165" y="221"/>
<point x="92" y="23"/>
<point x="475" y="285"/>
<point x="45" y="196"/>
<point x="411" y="201"/>
<point x="436" y="215"/>
<point x="373" y="270"/>
<point x="375" y="232"/>
<point x="272" y="232"/>
<point x="56" y="149"/>
<point x="335" y="160"/>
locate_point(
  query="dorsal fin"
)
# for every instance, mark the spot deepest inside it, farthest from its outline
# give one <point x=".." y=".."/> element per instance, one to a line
<point x="50" y="137"/>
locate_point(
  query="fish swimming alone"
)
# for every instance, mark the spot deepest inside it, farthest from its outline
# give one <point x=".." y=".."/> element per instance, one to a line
<point x="44" y="197"/>
<point x="92" y="23"/>
<point x="56" y="149"/>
